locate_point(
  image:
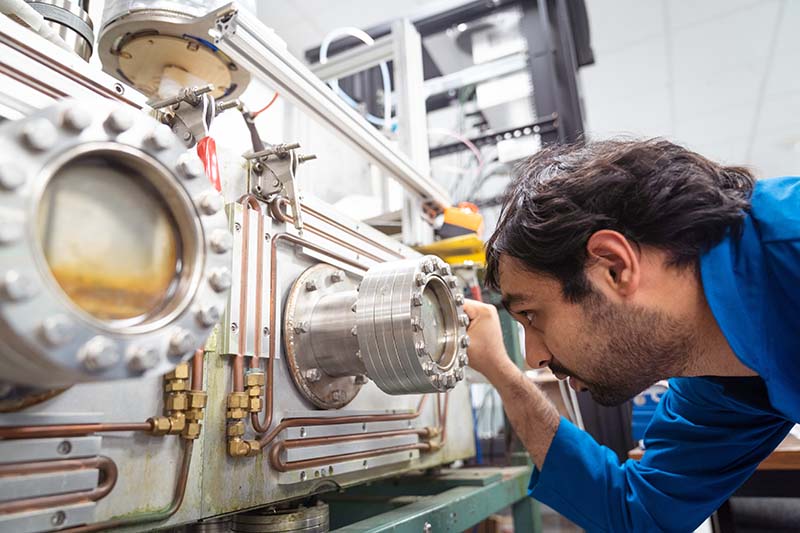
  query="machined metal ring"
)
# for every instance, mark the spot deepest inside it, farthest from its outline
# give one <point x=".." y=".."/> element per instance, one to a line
<point x="58" y="325"/>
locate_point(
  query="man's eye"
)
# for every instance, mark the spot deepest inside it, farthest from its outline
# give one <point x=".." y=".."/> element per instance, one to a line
<point x="529" y="316"/>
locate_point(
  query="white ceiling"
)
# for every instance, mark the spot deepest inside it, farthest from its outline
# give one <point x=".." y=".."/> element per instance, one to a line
<point x="722" y="76"/>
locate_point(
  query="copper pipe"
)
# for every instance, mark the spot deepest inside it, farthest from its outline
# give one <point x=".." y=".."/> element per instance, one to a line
<point x="106" y="466"/>
<point x="155" y="516"/>
<point x="352" y="419"/>
<point x="339" y="458"/>
<point x="197" y="369"/>
<point x="70" y="430"/>
<point x="259" y="425"/>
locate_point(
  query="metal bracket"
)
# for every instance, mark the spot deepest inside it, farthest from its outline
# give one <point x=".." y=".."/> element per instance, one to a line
<point x="188" y="113"/>
<point x="273" y="171"/>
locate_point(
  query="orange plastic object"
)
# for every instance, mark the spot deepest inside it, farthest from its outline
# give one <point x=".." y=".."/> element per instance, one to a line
<point x="207" y="151"/>
<point x="465" y="215"/>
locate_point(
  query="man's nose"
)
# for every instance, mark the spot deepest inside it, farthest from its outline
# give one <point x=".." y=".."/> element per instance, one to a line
<point x="536" y="352"/>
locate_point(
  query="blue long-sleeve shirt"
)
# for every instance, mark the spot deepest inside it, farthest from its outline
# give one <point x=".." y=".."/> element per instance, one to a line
<point x="708" y="434"/>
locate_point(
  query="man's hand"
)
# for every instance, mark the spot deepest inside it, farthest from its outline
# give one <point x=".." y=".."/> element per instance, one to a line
<point x="487" y="353"/>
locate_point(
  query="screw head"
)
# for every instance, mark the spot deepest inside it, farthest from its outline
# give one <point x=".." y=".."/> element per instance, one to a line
<point x="39" y="134"/>
<point x="337" y="276"/>
<point x="311" y="285"/>
<point x="301" y="327"/>
<point x="354" y="307"/>
<point x="208" y="315"/>
<point x="419" y="279"/>
<point x="313" y="375"/>
<point x="452" y="282"/>
<point x="449" y="381"/>
<point x="220" y="280"/>
<point x="18" y="286"/>
<point x="221" y="241"/>
<point x="58" y="518"/>
<point x="181" y="342"/>
<point x="56" y="330"/>
<point x="140" y="358"/>
<point x="76" y="119"/>
<point x="428" y="267"/>
<point x="11" y="176"/>
<point x="210" y="203"/>
<point x="416" y="299"/>
<point x="98" y="354"/>
<point x="460" y="299"/>
<point x="64" y="447"/>
<point x="463" y="320"/>
<point x="444" y="270"/>
<point x="119" y="121"/>
<point x="160" y="138"/>
<point x="428" y="368"/>
<point x="337" y="396"/>
<point x="459" y="374"/>
<point x="190" y="167"/>
<point x="9" y="231"/>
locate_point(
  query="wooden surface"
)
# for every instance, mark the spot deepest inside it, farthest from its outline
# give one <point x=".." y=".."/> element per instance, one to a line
<point x="785" y="457"/>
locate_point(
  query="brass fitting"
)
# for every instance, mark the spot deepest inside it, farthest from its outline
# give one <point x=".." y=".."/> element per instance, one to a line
<point x="236" y="429"/>
<point x="176" y="385"/>
<point x="159" y="425"/>
<point x="177" y="401"/>
<point x="255" y="390"/>
<point x="236" y="414"/>
<point x="197" y="399"/>
<point x="238" y="447"/>
<point x="255" y="404"/>
<point x="180" y="372"/>
<point x="194" y="415"/>
<point x="191" y="431"/>
<point x="254" y="379"/>
<point x="237" y="400"/>
<point x="177" y="422"/>
<point x="433" y="432"/>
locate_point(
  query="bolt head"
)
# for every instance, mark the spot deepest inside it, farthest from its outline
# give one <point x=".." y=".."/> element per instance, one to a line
<point x="220" y="280"/>
<point x="210" y="203"/>
<point x="140" y="358"/>
<point x="221" y="241"/>
<point x="10" y="231"/>
<point x="420" y="349"/>
<point x="416" y="299"/>
<point x="18" y="286"/>
<point x="160" y="138"/>
<point x="428" y="368"/>
<point x="181" y="342"/>
<point x="459" y="374"/>
<point x="208" y="315"/>
<point x="311" y="285"/>
<point x="419" y="279"/>
<point x="463" y="359"/>
<point x="460" y="299"/>
<point x="416" y="324"/>
<point x="119" y="121"/>
<point x="427" y="266"/>
<point x="449" y="381"/>
<point x="76" y="119"/>
<point x="463" y="320"/>
<point x="337" y="396"/>
<point x="354" y="307"/>
<point x="444" y="270"/>
<point x="361" y="379"/>
<point x="39" y="134"/>
<point x="190" y="167"/>
<point x="464" y="341"/>
<point x="98" y="354"/>
<point x="354" y="331"/>
<point x="313" y="374"/>
<point x="11" y="176"/>
<point x="57" y="330"/>
<point x="337" y="276"/>
<point x="452" y="282"/>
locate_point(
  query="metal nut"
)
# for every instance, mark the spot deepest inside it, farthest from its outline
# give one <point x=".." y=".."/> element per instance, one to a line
<point x="119" y="121"/>
<point x="159" y="138"/>
<point x="191" y="430"/>
<point x="463" y="359"/>
<point x="237" y="399"/>
<point x="444" y="270"/>
<point x="221" y="241"/>
<point x="190" y="167"/>
<point x="452" y="282"/>
<point x="181" y="342"/>
<point x="11" y="175"/>
<point x="76" y="119"/>
<point x="459" y="373"/>
<point x="460" y="299"/>
<point x="463" y="320"/>
<point x="416" y="299"/>
<point x="313" y="374"/>
<point x="420" y="348"/>
<point x="220" y="279"/>
<point x="361" y="379"/>
<point x="159" y="425"/>
<point x="210" y="203"/>
<point x="177" y="385"/>
<point x="18" y="286"/>
<point x="419" y="279"/>
<point x="337" y="276"/>
<point x="181" y="371"/>
<point x="140" y="358"/>
<point x="39" y="134"/>
<point x="428" y="267"/>
<point x="98" y="354"/>
<point x="464" y="341"/>
<point x="197" y="399"/>
<point x="255" y="405"/>
<point x="208" y="315"/>
<point x="56" y="330"/>
<point x="236" y="429"/>
<point x="254" y="378"/>
<point x="416" y="324"/>
<point x="311" y="285"/>
<point x="176" y="401"/>
<point x="236" y="414"/>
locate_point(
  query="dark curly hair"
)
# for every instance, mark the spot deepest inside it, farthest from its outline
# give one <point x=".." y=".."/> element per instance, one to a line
<point x="654" y="192"/>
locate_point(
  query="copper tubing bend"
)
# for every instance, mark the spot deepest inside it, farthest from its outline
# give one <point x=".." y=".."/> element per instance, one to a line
<point x="106" y="466"/>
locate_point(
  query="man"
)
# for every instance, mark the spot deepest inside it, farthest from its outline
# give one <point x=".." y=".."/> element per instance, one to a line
<point x="631" y="262"/>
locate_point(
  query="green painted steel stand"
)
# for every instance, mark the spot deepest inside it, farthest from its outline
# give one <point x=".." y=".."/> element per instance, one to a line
<point x="450" y="500"/>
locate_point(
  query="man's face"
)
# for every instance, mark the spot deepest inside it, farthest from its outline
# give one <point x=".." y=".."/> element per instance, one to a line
<point x="613" y="350"/>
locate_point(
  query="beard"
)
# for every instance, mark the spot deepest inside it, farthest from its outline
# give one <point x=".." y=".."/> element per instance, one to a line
<point x="636" y="348"/>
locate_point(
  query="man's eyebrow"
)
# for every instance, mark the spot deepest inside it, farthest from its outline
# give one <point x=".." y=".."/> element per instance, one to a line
<point x="512" y="299"/>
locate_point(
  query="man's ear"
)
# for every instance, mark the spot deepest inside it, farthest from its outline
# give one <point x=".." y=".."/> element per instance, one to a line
<point x="612" y="263"/>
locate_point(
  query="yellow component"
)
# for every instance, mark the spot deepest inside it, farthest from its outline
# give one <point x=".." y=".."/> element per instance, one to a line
<point x="180" y="372"/>
<point x="177" y="401"/>
<point x="465" y="215"/>
<point x="255" y="390"/>
<point x="191" y="431"/>
<point x="236" y="414"/>
<point x="197" y="399"/>
<point x="432" y="433"/>
<point x="177" y="422"/>
<point x="176" y="385"/>
<point x="237" y="399"/>
<point x="194" y="414"/>
<point x="237" y="447"/>
<point x="236" y="429"/>
<point x="161" y="425"/>
<point x="255" y="405"/>
<point x="254" y="379"/>
<point x="458" y="250"/>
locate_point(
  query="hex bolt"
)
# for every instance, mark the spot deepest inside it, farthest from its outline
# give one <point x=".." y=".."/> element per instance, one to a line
<point x="220" y="280"/>
<point x="463" y="359"/>
<point x="428" y="368"/>
<point x="463" y="320"/>
<point x="419" y="279"/>
<point x="361" y="379"/>
<point x="416" y="324"/>
<point x="444" y="270"/>
<point x="18" y="286"/>
<point x="301" y="327"/>
<point x="141" y="358"/>
<point x="119" y="121"/>
<point x="337" y="276"/>
<point x="303" y="158"/>
<point x="436" y="379"/>
<point x="354" y="331"/>
<point x="221" y="241"/>
<point x="64" y="447"/>
<point x="39" y="134"/>
<point x="208" y="315"/>
<point x="56" y="330"/>
<point x="427" y="267"/>
<point x="9" y="231"/>
<point x="11" y="176"/>
<point x="182" y="341"/>
<point x="160" y="138"/>
<point x="464" y="341"/>
<point x="311" y="285"/>
<point x="210" y="203"/>
<point x="452" y="282"/>
<point x="98" y="354"/>
<point x="313" y="375"/>
<point x="459" y="373"/>
<point x="460" y="299"/>
<point x="76" y="119"/>
<point x="450" y="381"/>
<point x="416" y="299"/>
<point x="190" y="167"/>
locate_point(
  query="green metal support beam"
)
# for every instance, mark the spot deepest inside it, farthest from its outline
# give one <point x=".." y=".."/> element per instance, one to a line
<point x="465" y="498"/>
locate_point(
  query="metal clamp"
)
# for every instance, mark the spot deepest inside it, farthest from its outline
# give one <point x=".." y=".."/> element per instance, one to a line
<point x="189" y="113"/>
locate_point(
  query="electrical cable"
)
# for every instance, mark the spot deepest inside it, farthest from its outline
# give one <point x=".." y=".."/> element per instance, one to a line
<point x="364" y="37"/>
<point x="269" y="104"/>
